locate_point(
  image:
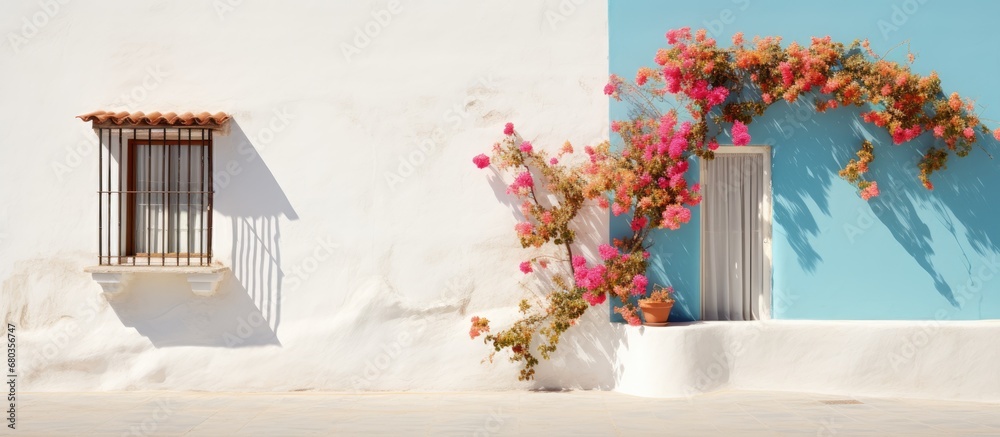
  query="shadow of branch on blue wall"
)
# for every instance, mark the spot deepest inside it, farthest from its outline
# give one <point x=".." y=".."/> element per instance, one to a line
<point x="960" y="204"/>
<point x="894" y="169"/>
<point x="812" y="147"/>
<point x="804" y="165"/>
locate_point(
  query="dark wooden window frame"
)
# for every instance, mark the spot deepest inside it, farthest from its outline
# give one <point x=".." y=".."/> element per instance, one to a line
<point x="133" y="190"/>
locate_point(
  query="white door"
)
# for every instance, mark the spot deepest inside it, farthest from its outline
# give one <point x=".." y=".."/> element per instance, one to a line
<point x="736" y="232"/>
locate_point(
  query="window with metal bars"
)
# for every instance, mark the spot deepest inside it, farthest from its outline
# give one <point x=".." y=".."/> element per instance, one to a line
<point x="156" y="196"/>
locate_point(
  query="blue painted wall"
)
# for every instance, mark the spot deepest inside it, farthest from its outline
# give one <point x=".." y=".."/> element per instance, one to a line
<point x="910" y="253"/>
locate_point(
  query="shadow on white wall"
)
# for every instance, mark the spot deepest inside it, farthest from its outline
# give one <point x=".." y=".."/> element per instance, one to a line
<point x="246" y="311"/>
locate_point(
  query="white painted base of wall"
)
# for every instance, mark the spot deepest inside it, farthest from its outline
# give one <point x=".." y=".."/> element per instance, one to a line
<point x="918" y="359"/>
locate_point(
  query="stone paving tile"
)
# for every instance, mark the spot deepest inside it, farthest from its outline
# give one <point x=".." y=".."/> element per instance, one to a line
<point x="493" y="413"/>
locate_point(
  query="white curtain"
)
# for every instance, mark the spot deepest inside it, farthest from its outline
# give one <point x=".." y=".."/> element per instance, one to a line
<point x="733" y="255"/>
<point x="169" y="219"/>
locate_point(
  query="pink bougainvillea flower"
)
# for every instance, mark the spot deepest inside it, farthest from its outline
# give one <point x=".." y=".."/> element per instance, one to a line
<point x="740" y="134"/>
<point x="699" y="90"/>
<point x="996" y="134"/>
<point x="639" y="283"/>
<point x="610" y="88"/>
<point x="481" y="160"/>
<point x="939" y="131"/>
<point x="638" y="223"/>
<point x="671" y="36"/>
<point x="543" y="263"/>
<point x="642" y="76"/>
<point x="674" y="216"/>
<point x="523" y="181"/>
<point x="870" y="191"/>
<point x="675" y="35"/>
<point x="786" y="74"/>
<point x="594" y="299"/>
<point x="526" y="267"/>
<point x="677" y="147"/>
<point x="524" y="228"/>
<point x="608" y="252"/>
<point x="508" y="129"/>
<point x="968" y="132"/>
<point x="553" y="161"/>
<point x="526" y="147"/>
<point x="672" y="76"/>
<point x="898" y="136"/>
<point x="591" y="278"/>
<point x="547" y="217"/>
<point x="717" y="96"/>
<point x="685" y="129"/>
<point x="677" y="169"/>
<point x="713" y="144"/>
<point x="738" y="39"/>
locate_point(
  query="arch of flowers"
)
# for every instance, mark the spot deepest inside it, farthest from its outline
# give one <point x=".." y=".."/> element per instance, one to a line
<point x="716" y="87"/>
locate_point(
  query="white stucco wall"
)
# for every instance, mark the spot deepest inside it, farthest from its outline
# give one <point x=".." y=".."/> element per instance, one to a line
<point x="343" y="277"/>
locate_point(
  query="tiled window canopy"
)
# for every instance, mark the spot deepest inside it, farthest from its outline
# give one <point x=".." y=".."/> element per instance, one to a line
<point x="155" y="196"/>
<point x="140" y="119"/>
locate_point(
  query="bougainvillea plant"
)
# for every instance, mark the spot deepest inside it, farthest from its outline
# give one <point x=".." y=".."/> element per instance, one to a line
<point x="760" y="73"/>
<point x="644" y="177"/>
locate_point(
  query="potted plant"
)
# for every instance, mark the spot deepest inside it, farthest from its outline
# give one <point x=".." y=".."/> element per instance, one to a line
<point x="656" y="307"/>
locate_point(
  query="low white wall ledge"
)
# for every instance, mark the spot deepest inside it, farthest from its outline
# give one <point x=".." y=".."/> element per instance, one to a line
<point x="113" y="280"/>
<point x="932" y="359"/>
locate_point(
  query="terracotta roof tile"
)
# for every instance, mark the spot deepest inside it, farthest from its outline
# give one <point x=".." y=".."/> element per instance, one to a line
<point x="155" y="118"/>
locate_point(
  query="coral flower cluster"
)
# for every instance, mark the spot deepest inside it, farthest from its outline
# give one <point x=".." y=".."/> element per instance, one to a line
<point x="757" y="74"/>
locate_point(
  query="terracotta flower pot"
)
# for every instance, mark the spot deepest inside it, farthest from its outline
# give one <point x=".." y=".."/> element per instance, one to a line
<point x="655" y="313"/>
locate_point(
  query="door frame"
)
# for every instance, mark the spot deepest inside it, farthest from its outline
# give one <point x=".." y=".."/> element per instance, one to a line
<point x="767" y="210"/>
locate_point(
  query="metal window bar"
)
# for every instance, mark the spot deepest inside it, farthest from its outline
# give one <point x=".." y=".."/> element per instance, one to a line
<point x="100" y="196"/>
<point x="201" y="201"/>
<point x="211" y="197"/>
<point x="162" y="207"/>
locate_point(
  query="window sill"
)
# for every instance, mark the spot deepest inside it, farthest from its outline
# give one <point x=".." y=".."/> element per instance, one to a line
<point x="113" y="280"/>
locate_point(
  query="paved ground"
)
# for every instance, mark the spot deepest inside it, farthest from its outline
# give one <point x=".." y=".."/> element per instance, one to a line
<point x="492" y="413"/>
